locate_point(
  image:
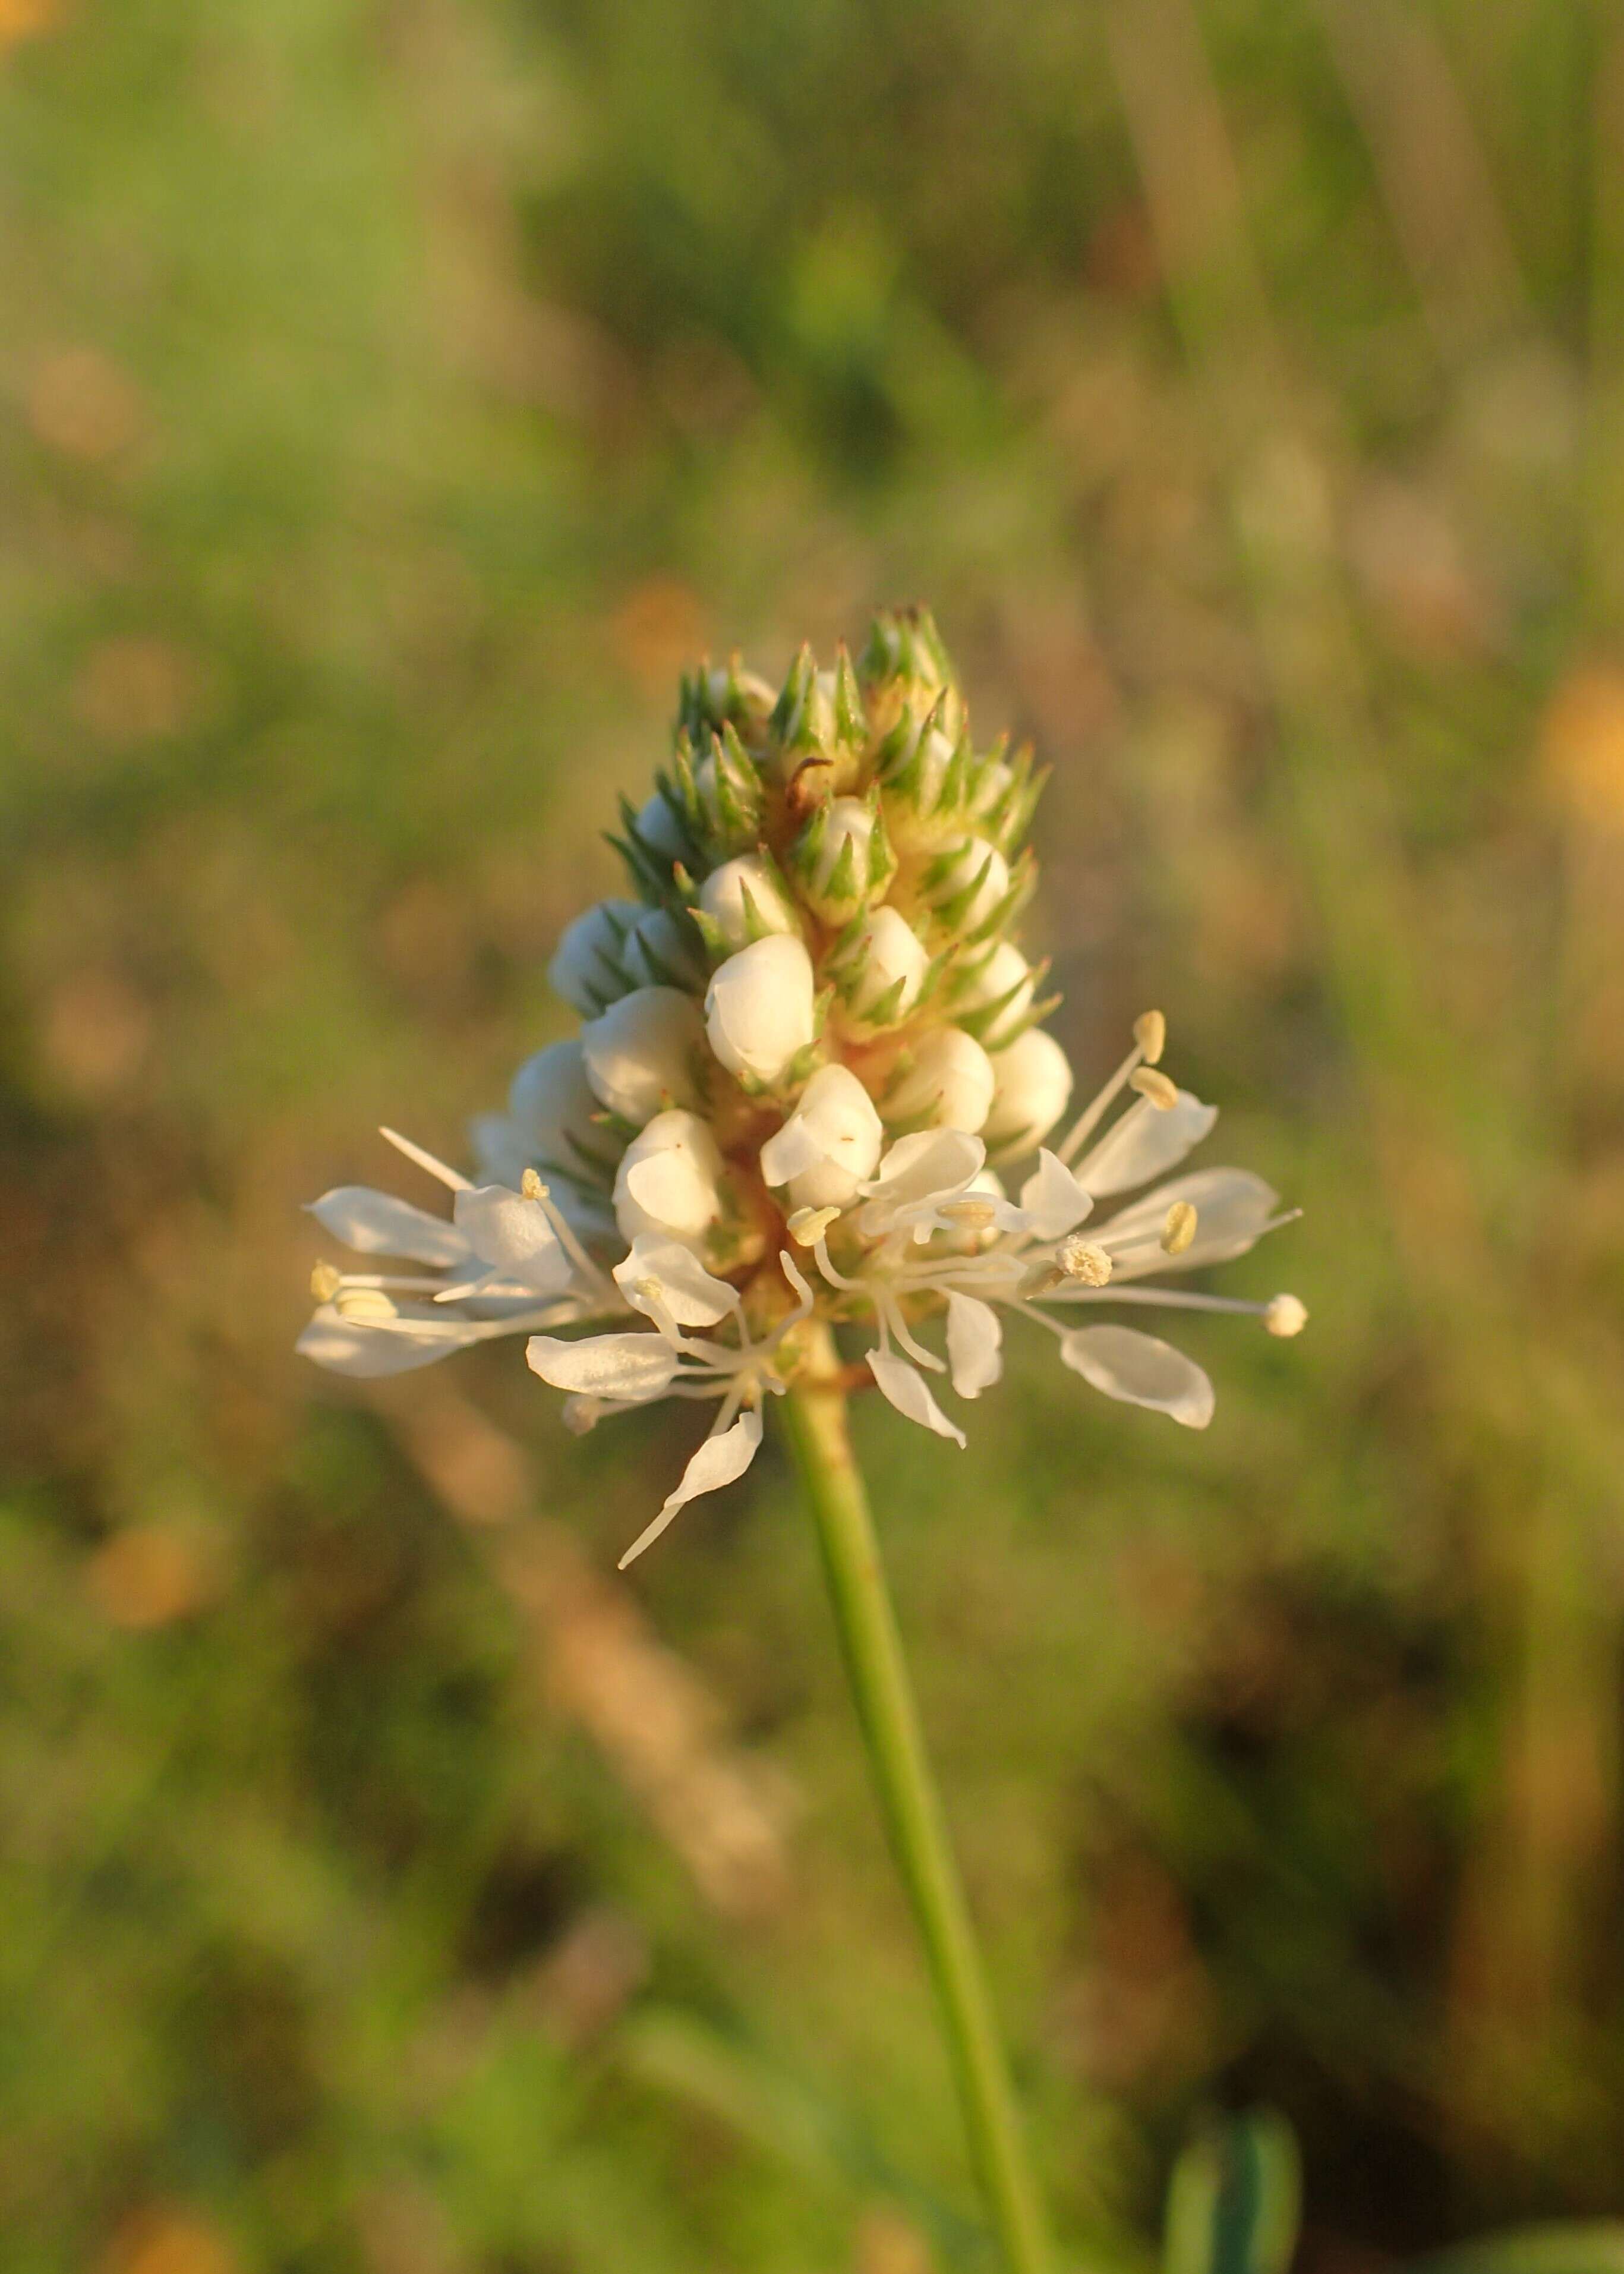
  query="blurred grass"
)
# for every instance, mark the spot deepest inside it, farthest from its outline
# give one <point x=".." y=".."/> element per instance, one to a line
<point x="392" y="399"/>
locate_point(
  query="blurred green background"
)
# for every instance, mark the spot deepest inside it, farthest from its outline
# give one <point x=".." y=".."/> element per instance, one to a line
<point x="394" y="395"/>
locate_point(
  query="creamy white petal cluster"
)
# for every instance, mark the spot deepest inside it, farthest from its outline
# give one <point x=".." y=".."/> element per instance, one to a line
<point x="812" y="1031"/>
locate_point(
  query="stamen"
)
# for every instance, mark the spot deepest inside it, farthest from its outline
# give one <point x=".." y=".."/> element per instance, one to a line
<point x="975" y="1215"/>
<point x="1285" y="1316"/>
<point x="447" y="1177"/>
<point x="1178" y="1231"/>
<point x="1080" y="1259"/>
<point x="808" y="1225"/>
<point x="325" y="1282"/>
<point x="532" y="1188"/>
<point x="1161" y="1093"/>
<point x="1150" y="1032"/>
<point x="1089" y="1119"/>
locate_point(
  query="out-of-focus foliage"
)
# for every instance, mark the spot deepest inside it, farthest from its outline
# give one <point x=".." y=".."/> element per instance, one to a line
<point x="393" y="394"/>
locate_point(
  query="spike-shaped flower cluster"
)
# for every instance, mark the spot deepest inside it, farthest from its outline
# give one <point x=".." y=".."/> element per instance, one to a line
<point x="810" y="1056"/>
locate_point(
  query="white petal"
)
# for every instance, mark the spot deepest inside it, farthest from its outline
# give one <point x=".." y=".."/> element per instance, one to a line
<point x="1055" y="1203"/>
<point x="759" y="1007"/>
<point x="835" y="1128"/>
<point x="1141" y="1371"/>
<point x="513" y="1235"/>
<point x="367" y="1353"/>
<point x="669" y="1185"/>
<point x="632" y="1369"/>
<point x="378" y="1224"/>
<point x="1148" y="1140"/>
<point x="639" y="1056"/>
<point x="906" y="1389"/>
<point x="975" y="1337"/>
<point x="685" y="1289"/>
<point x="719" y="1461"/>
<point x="934" y="1164"/>
<point x="790" y="1151"/>
<point x="1233" y="1208"/>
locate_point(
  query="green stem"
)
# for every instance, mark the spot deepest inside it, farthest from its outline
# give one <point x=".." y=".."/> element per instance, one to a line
<point x="890" y="1718"/>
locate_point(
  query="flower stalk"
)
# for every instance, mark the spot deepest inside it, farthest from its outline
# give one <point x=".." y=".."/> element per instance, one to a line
<point x="878" y="1670"/>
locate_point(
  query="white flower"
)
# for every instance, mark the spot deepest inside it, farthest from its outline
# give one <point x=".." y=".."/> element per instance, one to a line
<point x="618" y="1371"/>
<point x="829" y="1143"/>
<point x="745" y="899"/>
<point x="585" y="969"/>
<point x="506" y="1262"/>
<point x="671" y="1180"/>
<point x="760" y="1013"/>
<point x="1000" y="988"/>
<point x="950" y="1082"/>
<point x="641" y="1055"/>
<point x="1032" y="1088"/>
<point x="889" y="965"/>
<point x="932" y="1236"/>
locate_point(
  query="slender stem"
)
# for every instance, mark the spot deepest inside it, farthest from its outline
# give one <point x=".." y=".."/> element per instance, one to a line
<point x="890" y="1718"/>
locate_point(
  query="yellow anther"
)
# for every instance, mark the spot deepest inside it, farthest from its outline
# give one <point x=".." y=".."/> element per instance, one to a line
<point x="808" y="1225"/>
<point x="365" y="1304"/>
<point x="1080" y="1259"/>
<point x="975" y="1215"/>
<point x="650" y="1291"/>
<point x="531" y="1186"/>
<point x="325" y="1282"/>
<point x="1178" y="1230"/>
<point x="1162" y="1094"/>
<point x="1150" y="1032"/>
<point x="1285" y="1316"/>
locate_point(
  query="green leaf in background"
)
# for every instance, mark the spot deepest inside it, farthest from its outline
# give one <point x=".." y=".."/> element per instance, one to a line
<point x="1564" y="2246"/>
<point x="1235" y="2198"/>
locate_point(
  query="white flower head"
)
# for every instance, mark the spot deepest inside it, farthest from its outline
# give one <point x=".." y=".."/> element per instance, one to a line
<point x="844" y="1086"/>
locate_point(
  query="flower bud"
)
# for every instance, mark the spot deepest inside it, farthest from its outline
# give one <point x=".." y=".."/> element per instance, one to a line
<point x="842" y="859"/>
<point x="726" y="796"/>
<point x="670" y="1182"/>
<point x="1033" y="1087"/>
<point x="745" y="899"/>
<point x="760" y="1012"/>
<point x="552" y="1110"/>
<point x="996" y="996"/>
<point x="659" y="827"/>
<point x="641" y="1056"/>
<point x="830" y="1142"/>
<point x="661" y="951"/>
<point x="585" y="969"/>
<point x="967" y="884"/>
<point x="884" y="970"/>
<point x="921" y="806"/>
<point x="948" y="1086"/>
